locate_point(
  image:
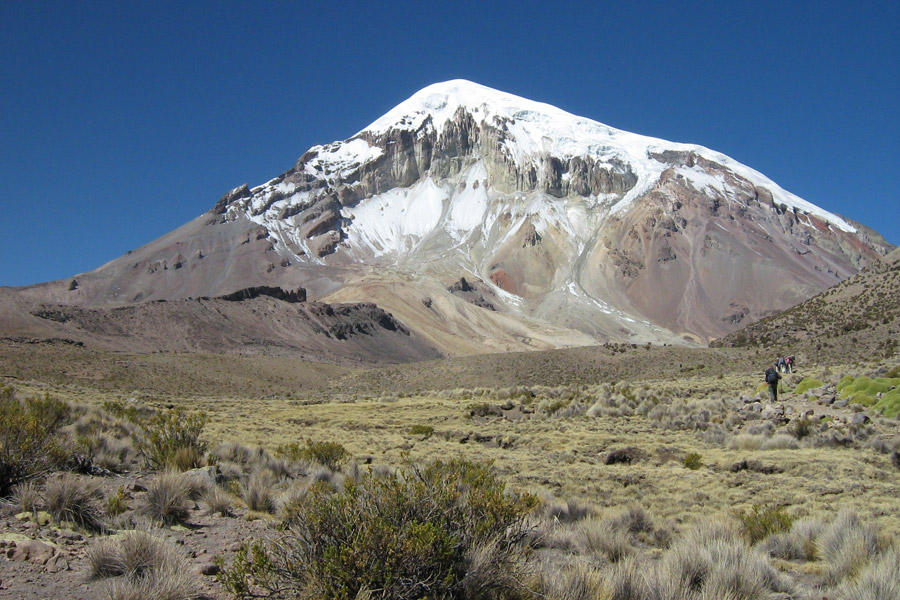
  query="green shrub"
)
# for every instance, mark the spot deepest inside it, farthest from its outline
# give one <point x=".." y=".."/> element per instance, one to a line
<point x="426" y="431"/>
<point x="328" y="454"/>
<point x="762" y="521"/>
<point x="862" y="399"/>
<point x="889" y="404"/>
<point x="692" y="461"/>
<point x="850" y="387"/>
<point x="122" y="410"/>
<point x="29" y="444"/>
<point x="409" y="536"/>
<point x="171" y="439"/>
<point x="808" y="384"/>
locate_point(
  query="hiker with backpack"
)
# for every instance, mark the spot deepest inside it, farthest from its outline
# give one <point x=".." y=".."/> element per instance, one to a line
<point x="772" y="378"/>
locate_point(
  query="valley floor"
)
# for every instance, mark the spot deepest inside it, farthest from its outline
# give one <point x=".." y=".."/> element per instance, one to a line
<point x="682" y="434"/>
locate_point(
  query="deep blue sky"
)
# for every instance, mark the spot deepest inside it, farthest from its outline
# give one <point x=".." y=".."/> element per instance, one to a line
<point x="120" y="121"/>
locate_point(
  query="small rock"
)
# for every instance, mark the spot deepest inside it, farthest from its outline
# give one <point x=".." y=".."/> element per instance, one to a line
<point x="208" y="569"/>
<point x="235" y="547"/>
<point x="859" y="419"/>
<point x="57" y="563"/>
<point x="773" y="412"/>
<point x="68" y="534"/>
<point x="841" y="403"/>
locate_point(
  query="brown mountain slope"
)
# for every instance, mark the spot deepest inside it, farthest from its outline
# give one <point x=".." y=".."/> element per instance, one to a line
<point x="856" y="319"/>
<point x="358" y="333"/>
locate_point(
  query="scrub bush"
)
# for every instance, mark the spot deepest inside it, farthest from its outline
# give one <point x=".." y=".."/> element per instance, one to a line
<point x="29" y="446"/>
<point x="762" y="521"/>
<point x="171" y="439"/>
<point x="407" y="535"/>
<point x="328" y="454"/>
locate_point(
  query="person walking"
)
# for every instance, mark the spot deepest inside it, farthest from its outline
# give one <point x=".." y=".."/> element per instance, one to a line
<point x="772" y="378"/>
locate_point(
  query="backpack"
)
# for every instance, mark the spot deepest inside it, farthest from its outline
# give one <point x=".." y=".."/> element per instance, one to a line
<point x="771" y="376"/>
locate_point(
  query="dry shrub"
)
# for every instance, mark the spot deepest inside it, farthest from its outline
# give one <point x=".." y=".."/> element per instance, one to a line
<point x="714" y="561"/>
<point x="259" y="492"/>
<point x="569" y="512"/>
<point x="74" y="499"/>
<point x="780" y="441"/>
<point x="798" y="543"/>
<point x="167" y="498"/>
<point x="230" y="452"/>
<point x="847" y="545"/>
<point x="746" y="441"/>
<point x="199" y="481"/>
<point x="115" y="454"/>
<point x="879" y="580"/>
<point x="576" y="581"/>
<point x="146" y="568"/>
<point x="603" y="537"/>
<point x="634" y="519"/>
<point x="104" y="559"/>
<point x="217" y="501"/>
<point x="628" y="580"/>
<point x="27" y="496"/>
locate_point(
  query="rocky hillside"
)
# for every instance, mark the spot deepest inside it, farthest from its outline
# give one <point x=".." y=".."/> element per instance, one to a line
<point x="858" y="319"/>
<point x="263" y="321"/>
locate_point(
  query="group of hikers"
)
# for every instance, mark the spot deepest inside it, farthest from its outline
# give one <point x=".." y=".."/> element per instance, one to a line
<point x="783" y="364"/>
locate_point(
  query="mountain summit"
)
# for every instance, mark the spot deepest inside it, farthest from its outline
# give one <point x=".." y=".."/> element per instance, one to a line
<point x="484" y="221"/>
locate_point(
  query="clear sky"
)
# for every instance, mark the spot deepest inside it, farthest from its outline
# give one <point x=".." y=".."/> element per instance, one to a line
<point x="121" y="121"/>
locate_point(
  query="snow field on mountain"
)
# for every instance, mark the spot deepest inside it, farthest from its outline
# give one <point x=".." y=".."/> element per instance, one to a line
<point x="541" y="129"/>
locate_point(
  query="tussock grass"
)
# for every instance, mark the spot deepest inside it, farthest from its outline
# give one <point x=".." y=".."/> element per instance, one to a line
<point x="167" y="500"/>
<point x="27" y="496"/>
<point x="143" y="567"/>
<point x="878" y="580"/>
<point x="260" y="491"/>
<point x="847" y="545"/>
<point x="217" y="501"/>
<point x="74" y="499"/>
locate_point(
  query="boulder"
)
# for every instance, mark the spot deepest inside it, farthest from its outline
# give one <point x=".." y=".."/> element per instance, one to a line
<point x="859" y="419"/>
<point x="34" y="551"/>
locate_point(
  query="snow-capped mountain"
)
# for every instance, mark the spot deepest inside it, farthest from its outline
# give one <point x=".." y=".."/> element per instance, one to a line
<point x="485" y="221"/>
